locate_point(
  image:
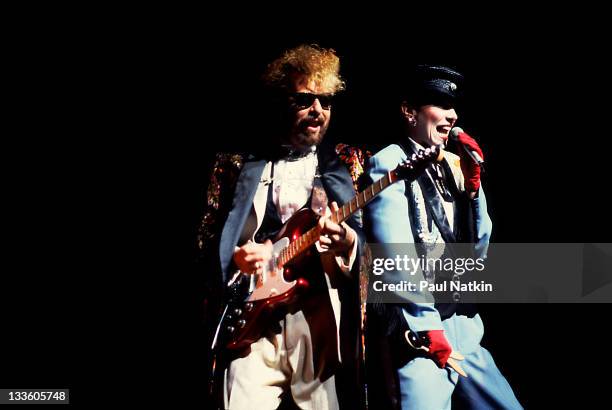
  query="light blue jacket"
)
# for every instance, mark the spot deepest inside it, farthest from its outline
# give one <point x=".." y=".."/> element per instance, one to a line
<point x="386" y="220"/>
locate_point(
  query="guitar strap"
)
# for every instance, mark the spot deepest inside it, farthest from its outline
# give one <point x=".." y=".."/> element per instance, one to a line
<point x="318" y="197"/>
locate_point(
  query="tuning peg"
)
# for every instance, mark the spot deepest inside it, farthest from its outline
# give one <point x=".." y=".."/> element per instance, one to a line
<point x="231" y="329"/>
<point x="237" y="312"/>
<point x="248" y="307"/>
<point x="241" y="322"/>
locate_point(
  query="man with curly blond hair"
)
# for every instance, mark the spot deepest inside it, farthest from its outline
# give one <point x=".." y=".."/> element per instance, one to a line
<point x="308" y="353"/>
<point x="300" y="75"/>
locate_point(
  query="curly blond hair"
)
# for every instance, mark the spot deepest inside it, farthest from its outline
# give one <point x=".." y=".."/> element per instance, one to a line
<point x="313" y="62"/>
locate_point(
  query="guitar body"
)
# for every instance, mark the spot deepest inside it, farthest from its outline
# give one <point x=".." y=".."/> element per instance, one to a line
<point x="254" y="307"/>
<point x="257" y="301"/>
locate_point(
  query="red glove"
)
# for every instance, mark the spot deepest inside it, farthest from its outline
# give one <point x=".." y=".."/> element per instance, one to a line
<point x="439" y="348"/>
<point x="471" y="170"/>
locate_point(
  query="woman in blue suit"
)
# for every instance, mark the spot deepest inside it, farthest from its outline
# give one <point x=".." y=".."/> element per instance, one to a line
<point x="444" y="205"/>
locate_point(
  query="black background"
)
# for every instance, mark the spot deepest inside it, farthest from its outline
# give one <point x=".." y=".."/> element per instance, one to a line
<point x="113" y="119"/>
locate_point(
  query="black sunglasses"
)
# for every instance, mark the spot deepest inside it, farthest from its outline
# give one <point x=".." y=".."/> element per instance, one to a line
<point x="305" y="100"/>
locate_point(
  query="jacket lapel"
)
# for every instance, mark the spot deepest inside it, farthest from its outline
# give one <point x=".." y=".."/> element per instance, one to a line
<point x="247" y="184"/>
<point x="335" y="177"/>
<point x="432" y="201"/>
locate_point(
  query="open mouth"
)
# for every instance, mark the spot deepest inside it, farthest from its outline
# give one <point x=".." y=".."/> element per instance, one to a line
<point x="312" y="126"/>
<point x="443" y="129"/>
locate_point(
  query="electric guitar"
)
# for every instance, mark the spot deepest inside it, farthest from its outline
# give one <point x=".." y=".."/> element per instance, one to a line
<point x="253" y="298"/>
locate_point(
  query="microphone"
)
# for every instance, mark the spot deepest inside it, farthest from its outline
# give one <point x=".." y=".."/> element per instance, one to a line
<point x="454" y="135"/>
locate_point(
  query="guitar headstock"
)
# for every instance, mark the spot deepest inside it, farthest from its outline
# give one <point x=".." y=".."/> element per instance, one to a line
<point x="415" y="164"/>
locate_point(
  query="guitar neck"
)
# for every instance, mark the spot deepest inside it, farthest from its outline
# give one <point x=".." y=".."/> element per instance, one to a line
<point x="360" y="200"/>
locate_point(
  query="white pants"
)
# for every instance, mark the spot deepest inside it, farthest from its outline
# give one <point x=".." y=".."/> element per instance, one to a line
<point x="285" y="361"/>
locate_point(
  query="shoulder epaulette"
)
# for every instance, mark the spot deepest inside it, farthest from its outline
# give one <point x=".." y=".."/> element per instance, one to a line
<point x="354" y="158"/>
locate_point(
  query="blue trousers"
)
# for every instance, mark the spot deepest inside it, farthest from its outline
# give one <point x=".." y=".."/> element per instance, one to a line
<point x="425" y="386"/>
